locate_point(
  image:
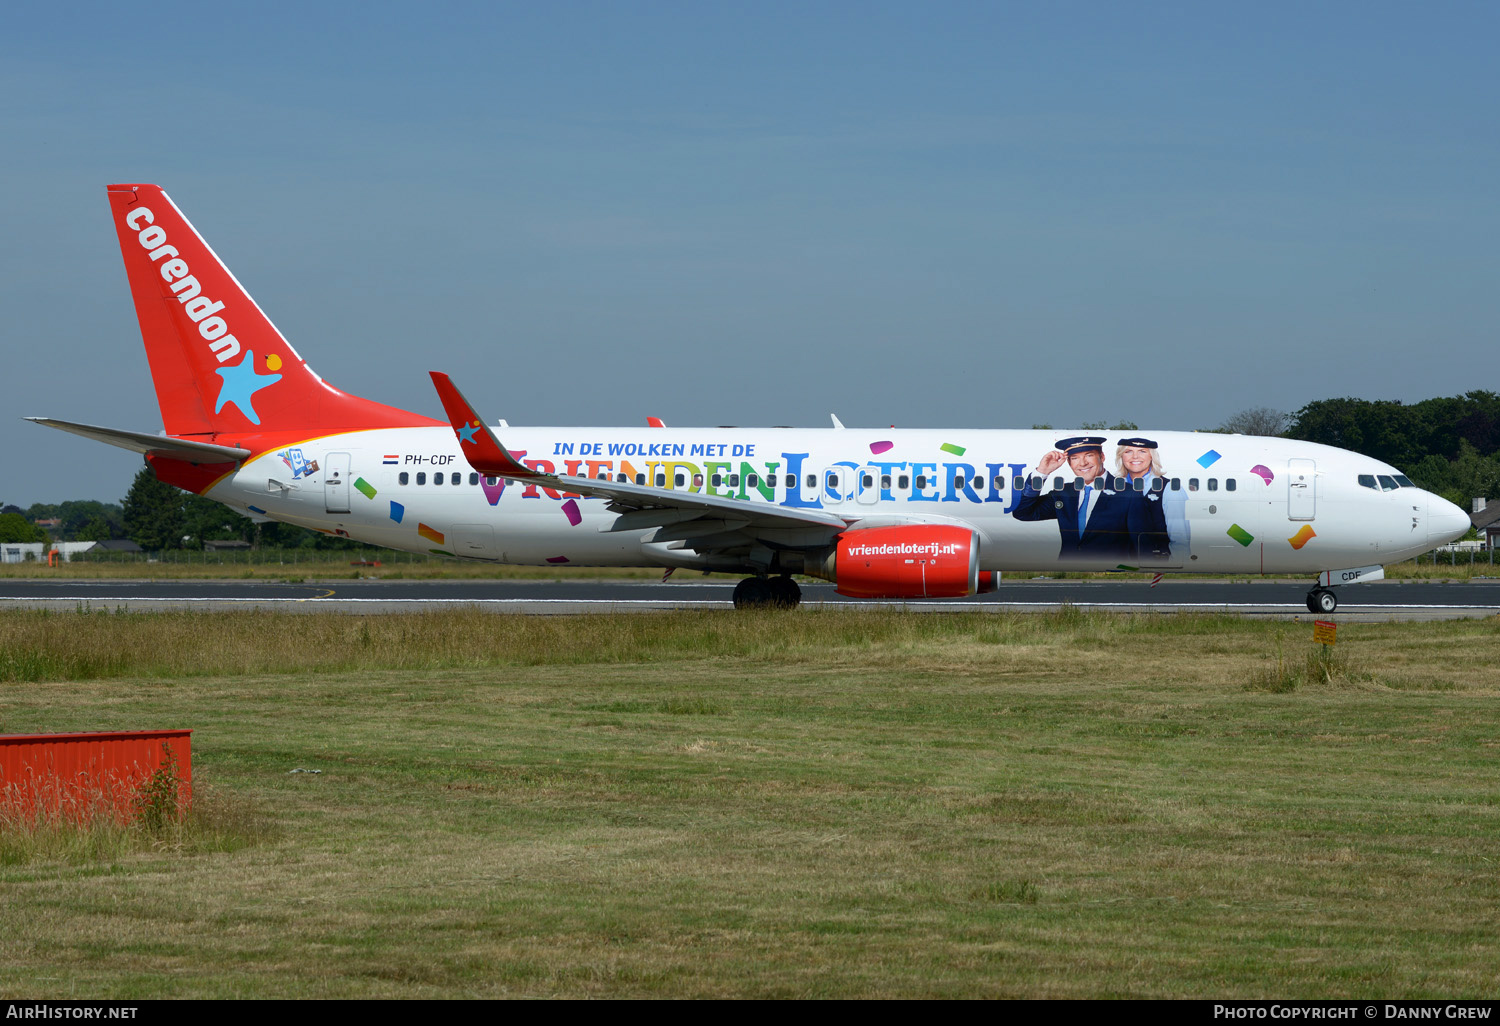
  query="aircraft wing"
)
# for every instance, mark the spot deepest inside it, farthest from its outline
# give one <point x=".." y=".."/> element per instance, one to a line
<point x="643" y="506"/>
<point x="150" y="445"/>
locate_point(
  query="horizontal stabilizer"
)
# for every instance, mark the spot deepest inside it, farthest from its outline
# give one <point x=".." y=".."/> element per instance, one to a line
<point x="150" y="445"/>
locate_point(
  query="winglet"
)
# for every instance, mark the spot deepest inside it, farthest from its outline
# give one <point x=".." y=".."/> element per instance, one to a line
<point x="479" y="444"/>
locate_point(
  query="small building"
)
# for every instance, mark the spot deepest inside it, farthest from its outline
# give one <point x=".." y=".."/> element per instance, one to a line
<point x="22" y="552"/>
<point x="116" y="545"/>
<point x="1486" y="520"/>
<point x="67" y="550"/>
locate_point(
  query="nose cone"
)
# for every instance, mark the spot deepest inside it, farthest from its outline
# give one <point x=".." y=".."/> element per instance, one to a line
<point x="1445" y="521"/>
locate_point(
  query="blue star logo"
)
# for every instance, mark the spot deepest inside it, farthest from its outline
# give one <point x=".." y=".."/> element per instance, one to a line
<point x="467" y="432"/>
<point x="240" y="385"/>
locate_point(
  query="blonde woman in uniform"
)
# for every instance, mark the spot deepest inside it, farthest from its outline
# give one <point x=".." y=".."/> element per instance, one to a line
<point x="1137" y="459"/>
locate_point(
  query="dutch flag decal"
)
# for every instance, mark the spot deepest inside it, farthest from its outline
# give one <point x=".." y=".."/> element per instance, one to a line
<point x="392" y="459"/>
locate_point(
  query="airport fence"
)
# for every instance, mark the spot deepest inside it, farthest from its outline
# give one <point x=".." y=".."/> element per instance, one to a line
<point x="1468" y="555"/>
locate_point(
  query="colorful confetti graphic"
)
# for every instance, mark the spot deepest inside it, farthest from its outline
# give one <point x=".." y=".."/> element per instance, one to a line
<point x="397" y="511"/>
<point x="256" y="509"/>
<point x="430" y="534"/>
<point x="1304" y="535"/>
<point x="571" y="511"/>
<point x="956" y="450"/>
<point x="364" y="487"/>
<point x="1208" y="459"/>
<point x="879" y="447"/>
<point x="1239" y="534"/>
<point x="1263" y="472"/>
<point x="557" y="559"/>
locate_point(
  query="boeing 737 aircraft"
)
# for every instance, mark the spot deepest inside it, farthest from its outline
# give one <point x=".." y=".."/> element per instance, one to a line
<point x="900" y="514"/>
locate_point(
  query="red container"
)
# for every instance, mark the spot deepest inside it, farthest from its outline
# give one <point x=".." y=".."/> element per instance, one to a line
<point x="79" y="777"/>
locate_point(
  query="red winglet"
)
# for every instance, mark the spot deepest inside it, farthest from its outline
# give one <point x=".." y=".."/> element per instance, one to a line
<point x="479" y="444"/>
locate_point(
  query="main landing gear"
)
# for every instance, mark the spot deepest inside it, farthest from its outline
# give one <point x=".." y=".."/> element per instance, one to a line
<point x="1321" y="600"/>
<point x="767" y="593"/>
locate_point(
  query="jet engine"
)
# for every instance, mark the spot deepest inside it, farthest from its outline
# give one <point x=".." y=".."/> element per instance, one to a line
<point x="909" y="561"/>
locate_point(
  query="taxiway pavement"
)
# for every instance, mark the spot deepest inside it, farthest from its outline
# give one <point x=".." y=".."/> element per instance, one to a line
<point x="1381" y="600"/>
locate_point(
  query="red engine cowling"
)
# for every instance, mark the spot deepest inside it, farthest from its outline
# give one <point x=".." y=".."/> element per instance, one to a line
<point x="911" y="561"/>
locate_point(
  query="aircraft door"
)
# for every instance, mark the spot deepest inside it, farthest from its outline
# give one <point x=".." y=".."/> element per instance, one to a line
<point x="867" y="487"/>
<point x="336" y="483"/>
<point x="836" y="485"/>
<point x="1302" y="489"/>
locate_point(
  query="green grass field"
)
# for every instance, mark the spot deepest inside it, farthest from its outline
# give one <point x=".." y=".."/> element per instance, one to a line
<point x="807" y="804"/>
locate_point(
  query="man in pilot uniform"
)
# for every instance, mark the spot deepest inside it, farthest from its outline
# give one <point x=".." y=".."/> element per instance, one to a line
<point x="1091" y="519"/>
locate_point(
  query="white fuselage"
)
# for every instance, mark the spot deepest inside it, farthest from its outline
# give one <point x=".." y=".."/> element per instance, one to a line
<point x="1233" y="503"/>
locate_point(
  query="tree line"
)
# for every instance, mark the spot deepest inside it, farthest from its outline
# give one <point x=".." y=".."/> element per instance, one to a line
<point x="156" y="516"/>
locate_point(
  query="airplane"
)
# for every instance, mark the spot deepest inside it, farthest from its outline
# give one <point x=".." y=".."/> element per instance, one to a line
<point x="904" y="514"/>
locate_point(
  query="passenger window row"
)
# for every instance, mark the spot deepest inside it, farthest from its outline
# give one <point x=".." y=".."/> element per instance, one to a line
<point x="751" y="480"/>
<point x="1379" y="482"/>
<point x="437" y="479"/>
<point x="1121" y="484"/>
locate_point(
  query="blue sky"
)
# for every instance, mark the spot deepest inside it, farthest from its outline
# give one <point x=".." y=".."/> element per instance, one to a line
<point x="983" y="215"/>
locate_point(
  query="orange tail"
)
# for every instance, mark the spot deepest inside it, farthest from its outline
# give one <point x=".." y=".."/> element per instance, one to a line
<point x="219" y="364"/>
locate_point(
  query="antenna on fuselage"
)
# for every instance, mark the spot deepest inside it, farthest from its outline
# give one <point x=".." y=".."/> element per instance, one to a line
<point x="838" y="424"/>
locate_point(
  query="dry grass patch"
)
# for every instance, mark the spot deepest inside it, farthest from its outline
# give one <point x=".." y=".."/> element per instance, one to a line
<point x="842" y="804"/>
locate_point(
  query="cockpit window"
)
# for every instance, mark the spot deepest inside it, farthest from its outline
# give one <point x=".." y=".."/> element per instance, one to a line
<point x="1387" y="484"/>
<point x="1368" y="481"/>
<point x="1404" y="481"/>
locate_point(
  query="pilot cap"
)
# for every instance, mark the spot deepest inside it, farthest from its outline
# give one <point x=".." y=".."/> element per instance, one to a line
<point x="1081" y="443"/>
<point x="1137" y="443"/>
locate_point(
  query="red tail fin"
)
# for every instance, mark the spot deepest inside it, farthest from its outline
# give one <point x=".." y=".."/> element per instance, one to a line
<point x="219" y="364"/>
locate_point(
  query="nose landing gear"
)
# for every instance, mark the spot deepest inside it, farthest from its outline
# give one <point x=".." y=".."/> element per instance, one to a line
<point x="1321" y="600"/>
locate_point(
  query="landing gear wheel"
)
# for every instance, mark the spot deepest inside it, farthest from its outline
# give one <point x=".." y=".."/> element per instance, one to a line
<point x="752" y="593"/>
<point x="785" y="594"/>
<point x="1321" y="600"/>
